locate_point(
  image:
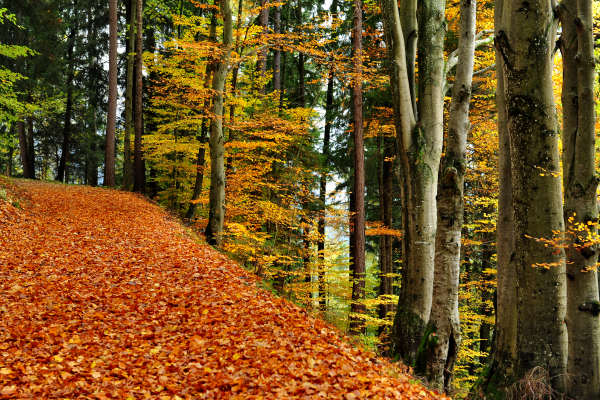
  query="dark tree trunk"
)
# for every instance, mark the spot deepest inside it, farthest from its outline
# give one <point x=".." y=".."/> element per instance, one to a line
<point x="323" y="191"/>
<point x="234" y="81"/>
<point x="358" y="275"/>
<point x="202" y="139"/>
<point x="11" y="150"/>
<point x="30" y="147"/>
<point x="277" y="55"/>
<point x="386" y="241"/>
<point x="24" y="151"/>
<point x="129" y="96"/>
<point x="261" y="64"/>
<point x="139" y="174"/>
<point x="64" y="156"/>
<point x="109" y="156"/>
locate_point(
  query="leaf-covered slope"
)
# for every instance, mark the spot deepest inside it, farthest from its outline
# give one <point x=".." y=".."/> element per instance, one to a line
<point x="103" y="296"/>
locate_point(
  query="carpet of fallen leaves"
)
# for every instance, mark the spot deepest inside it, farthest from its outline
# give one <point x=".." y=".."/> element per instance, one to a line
<point x="104" y="296"/>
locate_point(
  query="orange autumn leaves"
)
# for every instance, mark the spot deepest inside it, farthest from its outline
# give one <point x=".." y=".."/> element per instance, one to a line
<point x="104" y="296"/>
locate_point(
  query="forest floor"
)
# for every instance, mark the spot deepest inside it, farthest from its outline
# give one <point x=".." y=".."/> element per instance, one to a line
<point x="103" y="295"/>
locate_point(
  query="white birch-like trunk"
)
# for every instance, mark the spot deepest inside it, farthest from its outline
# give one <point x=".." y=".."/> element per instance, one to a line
<point x="444" y="321"/>
<point x="580" y="185"/>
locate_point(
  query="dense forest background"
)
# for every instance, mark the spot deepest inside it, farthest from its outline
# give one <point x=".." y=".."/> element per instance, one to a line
<point x="147" y="95"/>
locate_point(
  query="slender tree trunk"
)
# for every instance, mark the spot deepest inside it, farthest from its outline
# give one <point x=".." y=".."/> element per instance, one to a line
<point x="109" y="157"/>
<point x="214" y="229"/>
<point x="139" y="173"/>
<point x="200" y="159"/>
<point x="282" y="92"/>
<point x="91" y="172"/>
<point x="30" y="147"/>
<point x="504" y="349"/>
<point x="580" y="184"/>
<point x="234" y="81"/>
<point x="261" y="64"/>
<point x="444" y="320"/>
<point x="323" y="192"/>
<point x="277" y="55"/>
<point x="64" y="155"/>
<point x="11" y="150"/>
<point x="129" y="97"/>
<point x="358" y="272"/>
<point x="62" y="165"/>
<point x="526" y="47"/>
<point x="301" y="102"/>
<point x="386" y="194"/>
<point x="24" y="151"/>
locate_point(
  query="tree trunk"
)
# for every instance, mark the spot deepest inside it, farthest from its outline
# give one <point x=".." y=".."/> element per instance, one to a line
<point x="24" y="151"/>
<point x="200" y="158"/>
<point x="386" y="193"/>
<point x="61" y="175"/>
<point x="277" y="55"/>
<point x="30" y="147"/>
<point x="420" y="149"/>
<point x="129" y="97"/>
<point x="91" y="167"/>
<point x="139" y="173"/>
<point x="109" y="156"/>
<point x="323" y="192"/>
<point x="444" y="321"/>
<point x="214" y="229"/>
<point x="580" y="184"/>
<point x="11" y="150"/>
<point x="410" y="32"/>
<point x="504" y="349"/>
<point x="234" y="81"/>
<point x="261" y="64"/>
<point x="526" y="45"/>
<point x="358" y="272"/>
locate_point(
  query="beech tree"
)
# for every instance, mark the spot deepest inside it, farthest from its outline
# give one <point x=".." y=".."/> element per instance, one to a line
<point x="580" y="186"/>
<point x="526" y="47"/>
<point x="419" y="130"/>
<point x="214" y="228"/>
<point x="444" y="323"/>
<point x="503" y="356"/>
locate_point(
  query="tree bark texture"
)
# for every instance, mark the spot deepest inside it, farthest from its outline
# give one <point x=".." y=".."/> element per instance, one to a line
<point x="581" y="210"/>
<point x="202" y="138"/>
<point x="386" y="193"/>
<point x="526" y="47"/>
<point x="214" y="229"/>
<point x="277" y="54"/>
<point x="129" y="97"/>
<point x="444" y="320"/>
<point x="111" y="124"/>
<point x="420" y="146"/>
<point x="358" y="272"/>
<point x="504" y="349"/>
<point x="24" y="149"/>
<point x="61" y="174"/>
<point x="139" y="173"/>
